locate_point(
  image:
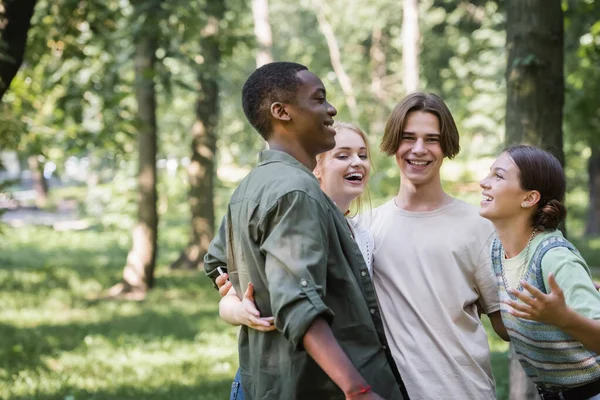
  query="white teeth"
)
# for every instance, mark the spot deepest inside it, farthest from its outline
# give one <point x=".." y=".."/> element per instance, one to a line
<point x="419" y="163"/>
<point x="357" y="175"/>
<point x="487" y="198"/>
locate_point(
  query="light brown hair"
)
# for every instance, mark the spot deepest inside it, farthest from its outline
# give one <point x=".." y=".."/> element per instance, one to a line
<point x="425" y="102"/>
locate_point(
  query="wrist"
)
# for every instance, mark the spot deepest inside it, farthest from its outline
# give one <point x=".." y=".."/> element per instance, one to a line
<point x="358" y="392"/>
<point x="568" y="319"/>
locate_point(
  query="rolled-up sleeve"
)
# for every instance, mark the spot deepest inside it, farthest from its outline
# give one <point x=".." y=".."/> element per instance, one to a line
<point x="217" y="253"/>
<point x="296" y="253"/>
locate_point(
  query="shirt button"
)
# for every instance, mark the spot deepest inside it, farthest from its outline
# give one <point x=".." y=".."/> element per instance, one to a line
<point x="372" y="310"/>
<point x="385" y="347"/>
<point x="304" y="283"/>
<point x="364" y="273"/>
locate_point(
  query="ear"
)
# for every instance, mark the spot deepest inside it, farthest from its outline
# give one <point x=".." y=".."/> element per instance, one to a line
<point x="532" y="198"/>
<point x="317" y="172"/>
<point x="279" y="111"/>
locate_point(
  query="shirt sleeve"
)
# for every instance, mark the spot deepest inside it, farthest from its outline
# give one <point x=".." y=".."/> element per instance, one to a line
<point x="573" y="278"/>
<point x="217" y="253"/>
<point x="296" y="253"/>
<point x="485" y="280"/>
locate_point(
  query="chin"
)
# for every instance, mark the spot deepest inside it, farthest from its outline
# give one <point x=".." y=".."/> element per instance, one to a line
<point x="486" y="214"/>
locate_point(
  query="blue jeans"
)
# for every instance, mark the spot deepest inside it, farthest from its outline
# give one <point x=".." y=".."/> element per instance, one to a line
<point x="236" y="388"/>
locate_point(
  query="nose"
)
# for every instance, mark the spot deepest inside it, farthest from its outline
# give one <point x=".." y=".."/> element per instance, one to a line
<point x="355" y="161"/>
<point x="419" y="147"/>
<point x="331" y="110"/>
<point x="484" y="183"/>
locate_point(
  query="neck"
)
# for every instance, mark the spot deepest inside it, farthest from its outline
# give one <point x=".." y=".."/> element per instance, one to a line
<point x="342" y="204"/>
<point x="427" y="197"/>
<point x="514" y="234"/>
<point x="293" y="149"/>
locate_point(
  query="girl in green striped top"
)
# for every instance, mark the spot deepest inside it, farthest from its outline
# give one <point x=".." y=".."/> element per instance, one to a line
<point x="551" y="308"/>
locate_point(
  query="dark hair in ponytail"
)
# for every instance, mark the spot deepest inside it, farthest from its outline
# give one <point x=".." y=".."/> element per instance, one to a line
<point x="541" y="171"/>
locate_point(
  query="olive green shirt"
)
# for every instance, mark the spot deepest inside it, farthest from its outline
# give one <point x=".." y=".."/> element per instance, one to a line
<point x="283" y="234"/>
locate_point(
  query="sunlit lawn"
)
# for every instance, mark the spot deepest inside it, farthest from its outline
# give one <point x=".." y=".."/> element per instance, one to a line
<point x="57" y="341"/>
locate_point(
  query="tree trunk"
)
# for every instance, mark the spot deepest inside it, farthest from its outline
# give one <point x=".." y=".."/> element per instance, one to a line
<point x="534" y="74"/>
<point x="592" y="226"/>
<point x="410" y="45"/>
<point x="535" y="97"/>
<point x="262" y="32"/>
<point x="336" y="59"/>
<point x="378" y="73"/>
<point x="138" y="275"/>
<point x="201" y="170"/>
<point x="15" y="20"/>
<point x="40" y="185"/>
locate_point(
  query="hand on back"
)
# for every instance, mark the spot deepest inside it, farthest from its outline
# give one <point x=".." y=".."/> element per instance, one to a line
<point x="245" y="311"/>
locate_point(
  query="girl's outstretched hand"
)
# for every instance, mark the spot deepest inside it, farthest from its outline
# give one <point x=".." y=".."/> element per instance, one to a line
<point x="537" y="306"/>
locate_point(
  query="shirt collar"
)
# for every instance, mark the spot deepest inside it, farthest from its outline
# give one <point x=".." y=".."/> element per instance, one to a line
<point x="272" y="156"/>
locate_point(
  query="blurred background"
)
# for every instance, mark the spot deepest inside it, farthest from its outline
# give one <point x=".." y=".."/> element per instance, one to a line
<point x="122" y="137"/>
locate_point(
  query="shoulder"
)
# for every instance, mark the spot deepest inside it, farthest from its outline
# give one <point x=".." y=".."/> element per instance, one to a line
<point x="558" y="251"/>
<point x="379" y="213"/>
<point x="268" y="184"/>
<point x="468" y="217"/>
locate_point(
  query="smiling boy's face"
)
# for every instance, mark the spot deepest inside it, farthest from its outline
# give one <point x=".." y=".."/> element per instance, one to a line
<point x="420" y="155"/>
<point x="311" y="116"/>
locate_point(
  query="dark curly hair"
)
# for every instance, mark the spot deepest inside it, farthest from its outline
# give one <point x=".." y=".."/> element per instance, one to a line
<point x="277" y="81"/>
<point x="541" y="171"/>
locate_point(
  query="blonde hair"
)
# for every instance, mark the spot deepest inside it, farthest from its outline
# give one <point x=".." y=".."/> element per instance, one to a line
<point x="357" y="204"/>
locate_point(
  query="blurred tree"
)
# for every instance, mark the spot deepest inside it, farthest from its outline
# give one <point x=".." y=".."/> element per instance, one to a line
<point x="534" y="74"/>
<point x="15" y="20"/>
<point x="582" y="112"/>
<point x="138" y="275"/>
<point x="410" y="45"/>
<point x="262" y="32"/>
<point x="535" y="99"/>
<point x="40" y="184"/>
<point x="202" y="168"/>
<point x="336" y="58"/>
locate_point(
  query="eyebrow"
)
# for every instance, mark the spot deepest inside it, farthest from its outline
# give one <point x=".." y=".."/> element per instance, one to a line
<point x="320" y="91"/>
<point x="427" y="134"/>
<point x="498" y="169"/>
<point x="349" y="148"/>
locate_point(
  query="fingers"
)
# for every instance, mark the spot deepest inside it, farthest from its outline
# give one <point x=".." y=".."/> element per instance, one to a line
<point x="520" y="314"/>
<point x="264" y="328"/>
<point x="519" y="306"/>
<point x="597" y="285"/>
<point x="554" y="285"/>
<point x="249" y="293"/>
<point x="535" y="292"/>
<point x="522" y="296"/>
<point x="223" y="290"/>
<point x="221" y="280"/>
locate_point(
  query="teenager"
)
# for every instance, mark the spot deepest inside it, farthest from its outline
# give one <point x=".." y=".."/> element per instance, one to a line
<point x="552" y="309"/>
<point x="432" y="272"/>
<point x="286" y="237"/>
<point x="343" y="173"/>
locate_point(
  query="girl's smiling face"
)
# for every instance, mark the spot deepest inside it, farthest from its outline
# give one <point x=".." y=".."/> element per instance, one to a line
<point x="502" y="194"/>
<point x="344" y="170"/>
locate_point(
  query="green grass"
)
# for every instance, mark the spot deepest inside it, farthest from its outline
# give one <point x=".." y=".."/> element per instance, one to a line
<point x="57" y="341"/>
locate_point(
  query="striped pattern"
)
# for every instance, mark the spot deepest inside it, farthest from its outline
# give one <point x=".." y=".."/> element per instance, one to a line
<point x="551" y="358"/>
